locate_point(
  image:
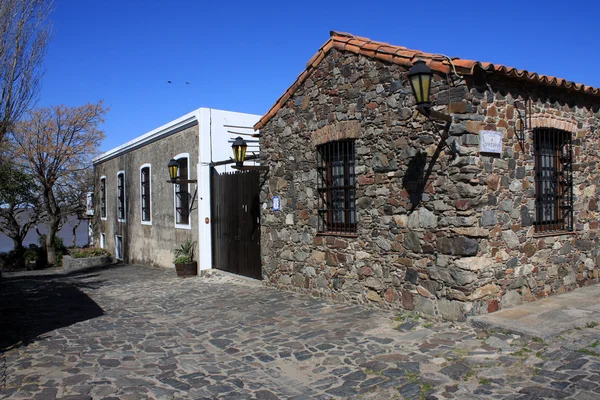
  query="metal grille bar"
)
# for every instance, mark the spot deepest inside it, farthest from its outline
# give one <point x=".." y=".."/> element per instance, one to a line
<point x="145" y="189"/>
<point x="182" y="194"/>
<point x="121" y="195"/>
<point x="103" y="197"/>
<point x="336" y="187"/>
<point x="553" y="157"/>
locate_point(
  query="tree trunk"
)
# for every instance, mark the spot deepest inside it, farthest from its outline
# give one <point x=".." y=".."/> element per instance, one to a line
<point x="75" y="233"/>
<point x="19" y="252"/>
<point x="50" y="240"/>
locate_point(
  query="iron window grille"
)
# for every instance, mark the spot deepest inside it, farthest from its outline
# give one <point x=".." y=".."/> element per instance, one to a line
<point x="145" y="193"/>
<point x="336" y="187"/>
<point x="121" y="196"/>
<point x="103" y="198"/>
<point x="553" y="155"/>
<point x="182" y="196"/>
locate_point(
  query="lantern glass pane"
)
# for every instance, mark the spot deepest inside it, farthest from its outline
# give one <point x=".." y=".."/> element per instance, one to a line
<point x="425" y="81"/>
<point x="415" y="81"/>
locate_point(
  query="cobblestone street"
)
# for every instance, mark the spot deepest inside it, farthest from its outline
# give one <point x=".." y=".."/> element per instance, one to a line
<point x="132" y="332"/>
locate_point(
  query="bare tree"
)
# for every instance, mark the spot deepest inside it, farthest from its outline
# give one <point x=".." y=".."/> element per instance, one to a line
<point x="24" y="36"/>
<point x="56" y="145"/>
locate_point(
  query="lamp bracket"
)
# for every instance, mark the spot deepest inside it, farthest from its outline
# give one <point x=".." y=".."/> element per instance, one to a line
<point x="182" y="181"/>
<point x="250" y="167"/>
<point x="432" y="114"/>
<point x="520" y="133"/>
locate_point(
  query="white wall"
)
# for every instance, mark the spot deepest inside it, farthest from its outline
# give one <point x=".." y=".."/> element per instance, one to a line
<point x="218" y="128"/>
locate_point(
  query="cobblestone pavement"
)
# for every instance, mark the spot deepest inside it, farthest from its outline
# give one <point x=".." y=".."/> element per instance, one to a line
<point x="135" y="332"/>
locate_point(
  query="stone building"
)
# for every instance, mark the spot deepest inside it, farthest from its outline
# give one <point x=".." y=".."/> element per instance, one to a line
<point x="139" y="216"/>
<point x="378" y="203"/>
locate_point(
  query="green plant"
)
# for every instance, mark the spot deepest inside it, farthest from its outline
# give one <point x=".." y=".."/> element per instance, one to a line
<point x="184" y="253"/>
<point x="87" y="252"/>
<point x="521" y="353"/>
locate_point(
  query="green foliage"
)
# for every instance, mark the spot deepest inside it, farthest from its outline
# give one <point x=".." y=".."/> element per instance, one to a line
<point x="87" y="252"/>
<point x="184" y="253"/>
<point x="59" y="245"/>
<point x="17" y="188"/>
<point x="11" y="260"/>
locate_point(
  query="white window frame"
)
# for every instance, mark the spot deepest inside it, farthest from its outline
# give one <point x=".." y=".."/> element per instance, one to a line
<point x="103" y="240"/>
<point x="105" y="199"/>
<point x="124" y="219"/>
<point x="189" y="224"/>
<point x="117" y="255"/>
<point x="149" y="166"/>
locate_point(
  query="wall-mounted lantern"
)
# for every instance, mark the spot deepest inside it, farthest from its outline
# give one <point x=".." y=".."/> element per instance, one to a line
<point x="239" y="147"/>
<point x="173" y="170"/>
<point x="173" y="166"/>
<point x="174" y="173"/>
<point x="420" y="77"/>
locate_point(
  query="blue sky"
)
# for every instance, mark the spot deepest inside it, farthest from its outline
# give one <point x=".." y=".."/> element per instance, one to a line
<point x="242" y="56"/>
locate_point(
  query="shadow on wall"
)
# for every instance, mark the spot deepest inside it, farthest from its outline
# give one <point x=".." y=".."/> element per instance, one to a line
<point x="32" y="306"/>
<point x="414" y="179"/>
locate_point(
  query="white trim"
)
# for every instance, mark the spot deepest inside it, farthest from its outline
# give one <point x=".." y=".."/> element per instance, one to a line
<point x="203" y="171"/>
<point x="124" y="219"/>
<point x="105" y="200"/>
<point x="117" y="237"/>
<point x="188" y="225"/>
<point x="154" y="134"/>
<point x="149" y="194"/>
<point x="103" y="240"/>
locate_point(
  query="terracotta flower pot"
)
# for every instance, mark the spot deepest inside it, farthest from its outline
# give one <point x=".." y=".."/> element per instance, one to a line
<point x="187" y="270"/>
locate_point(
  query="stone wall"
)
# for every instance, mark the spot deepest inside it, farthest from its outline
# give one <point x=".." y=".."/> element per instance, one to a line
<point x="442" y="228"/>
<point x="150" y="244"/>
<point x="71" y="264"/>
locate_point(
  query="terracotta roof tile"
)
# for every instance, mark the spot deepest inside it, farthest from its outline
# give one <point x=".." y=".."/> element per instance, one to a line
<point x="402" y="56"/>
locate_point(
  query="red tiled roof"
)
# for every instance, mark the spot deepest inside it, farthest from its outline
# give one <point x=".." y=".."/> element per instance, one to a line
<point x="406" y="57"/>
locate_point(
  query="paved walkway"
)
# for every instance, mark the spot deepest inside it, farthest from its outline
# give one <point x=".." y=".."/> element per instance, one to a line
<point x="135" y="332"/>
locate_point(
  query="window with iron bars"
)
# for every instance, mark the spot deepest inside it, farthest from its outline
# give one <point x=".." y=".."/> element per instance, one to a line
<point x="553" y="159"/>
<point x="182" y="201"/>
<point x="103" y="197"/>
<point x="121" y="196"/>
<point x="336" y="187"/>
<point x="145" y="193"/>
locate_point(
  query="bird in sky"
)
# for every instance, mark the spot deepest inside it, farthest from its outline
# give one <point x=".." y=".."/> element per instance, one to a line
<point x="169" y="82"/>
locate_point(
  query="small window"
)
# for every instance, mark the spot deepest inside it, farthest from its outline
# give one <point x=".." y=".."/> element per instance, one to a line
<point x="121" y="200"/>
<point x="102" y="240"/>
<point x="182" y="194"/>
<point x="553" y="159"/>
<point x="336" y="187"/>
<point x="103" y="197"/>
<point x="119" y="247"/>
<point x="146" y="194"/>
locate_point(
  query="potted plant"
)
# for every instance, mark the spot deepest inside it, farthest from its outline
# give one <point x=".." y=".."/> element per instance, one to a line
<point x="184" y="260"/>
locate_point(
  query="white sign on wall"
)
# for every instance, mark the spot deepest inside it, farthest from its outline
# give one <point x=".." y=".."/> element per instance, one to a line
<point x="276" y="203"/>
<point x="490" y="142"/>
